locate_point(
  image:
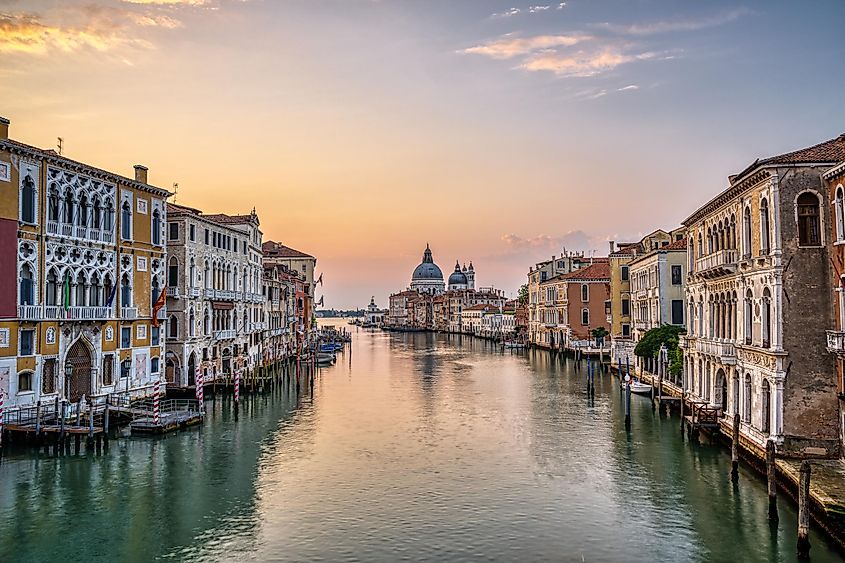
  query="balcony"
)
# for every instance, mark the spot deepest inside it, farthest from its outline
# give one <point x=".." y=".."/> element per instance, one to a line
<point x="194" y="292"/>
<point x="79" y="231"/>
<point x="641" y="325"/>
<point x="225" y="294"/>
<point x="720" y="263"/>
<point x="161" y="314"/>
<point x="686" y="343"/>
<point x="209" y="293"/>
<point x="723" y="350"/>
<point x="129" y="313"/>
<point x="836" y="341"/>
<point x="77" y="313"/>
<point x="173" y="292"/>
<point x="29" y="312"/>
<point x="224" y="334"/>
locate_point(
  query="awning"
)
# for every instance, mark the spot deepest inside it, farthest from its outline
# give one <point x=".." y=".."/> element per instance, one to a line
<point x="224" y="305"/>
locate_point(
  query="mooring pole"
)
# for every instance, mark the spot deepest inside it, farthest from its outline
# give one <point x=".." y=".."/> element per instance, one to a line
<point x="735" y="449"/>
<point x="804" y="510"/>
<point x="771" y="480"/>
<point x="628" y="405"/>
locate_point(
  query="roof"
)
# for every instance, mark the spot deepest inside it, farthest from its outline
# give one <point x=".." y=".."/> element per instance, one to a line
<point x="51" y="156"/>
<point x="233" y="219"/>
<point x="597" y="271"/>
<point x="677" y="245"/>
<point x="175" y="208"/>
<point x="480" y="307"/>
<point x="274" y="249"/>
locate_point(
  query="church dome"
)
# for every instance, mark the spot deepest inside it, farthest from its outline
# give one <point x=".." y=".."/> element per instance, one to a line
<point x="428" y="270"/>
<point x="458" y="277"/>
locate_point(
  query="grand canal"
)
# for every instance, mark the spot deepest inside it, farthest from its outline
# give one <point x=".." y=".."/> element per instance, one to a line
<point x="414" y="447"/>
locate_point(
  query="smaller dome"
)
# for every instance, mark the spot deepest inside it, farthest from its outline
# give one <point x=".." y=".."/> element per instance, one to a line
<point x="458" y="277"/>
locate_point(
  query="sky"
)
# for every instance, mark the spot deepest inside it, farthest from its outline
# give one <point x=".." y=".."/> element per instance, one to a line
<point x="360" y="130"/>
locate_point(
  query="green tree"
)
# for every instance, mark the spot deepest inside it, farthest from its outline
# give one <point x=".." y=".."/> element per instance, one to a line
<point x="599" y="334"/>
<point x="649" y="346"/>
<point x="523" y="294"/>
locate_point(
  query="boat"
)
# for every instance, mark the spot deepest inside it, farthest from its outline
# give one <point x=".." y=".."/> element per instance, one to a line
<point x="325" y="358"/>
<point x="638" y="387"/>
<point x="513" y="345"/>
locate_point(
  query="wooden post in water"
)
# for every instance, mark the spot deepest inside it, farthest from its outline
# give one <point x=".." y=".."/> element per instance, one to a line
<point x="106" y="425"/>
<point x="62" y="422"/>
<point x="735" y="449"/>
<point x="771" y="480"/>
<point x="627" y="405"/>
<point x="804" y="510"/>
<point x="89" y="441"/>
<point x="37" y="422"/>
<point x="683" y="398"/>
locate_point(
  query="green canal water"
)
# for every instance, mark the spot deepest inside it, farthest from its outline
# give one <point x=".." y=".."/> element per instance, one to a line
<point x="414" y="447"/>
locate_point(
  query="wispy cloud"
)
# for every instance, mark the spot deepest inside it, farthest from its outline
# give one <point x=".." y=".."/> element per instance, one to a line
<point x="583" y="63"/>
<point x="628" y="88"/>
<point x="670" y="26"/>
<point x="510" y="46"/>
<point x="27" y="33"/>
<point x="507" y="13"/>
<point x="537" y="9"/>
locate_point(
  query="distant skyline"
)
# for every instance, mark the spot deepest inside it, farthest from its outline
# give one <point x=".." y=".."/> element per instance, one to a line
<point x="498" y="132"/>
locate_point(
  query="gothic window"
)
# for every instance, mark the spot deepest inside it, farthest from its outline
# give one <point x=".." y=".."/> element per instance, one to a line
<point x="765" y="228"/>
<point x="767" y="317"/>
<point x="52" y="288"/>
<point x="809" y="228"/>
<point x="585" y="317"/>
<point x="108" y="216"/>
<point x="192" y="274"/>
<point x="125" y="291"/>
<point x="156" y="227"/>
<point x="767" y="407"/>
<point x="207" y="276"/>
<point x="68" y="206"/>
<point x="27" y="287"/>
<point x="746" y="411"/>
<point x="172" y="327"/>
<point x="700" y="245"/>
<point x="747" y="316"/>
<point x="154" y="292"/>
<point x="840" y="213"/>
<point x="96" y="213"/>
<point x="79" y="290"/>
<point x="746" y="232"/>
<point x="126" y="221"/>
<point x="191" y="323"/>
<point x="585" y="292"/>
<point x="107" y="291"/>
<point x="732" y="233"/>
<point x="95" y="296"/>
<point x="709" y="240"/>
<point x="53" y="205"/>
<point x="82" y="214"/>
<point x="173" y="272"/>
<point x="28" y="200"/>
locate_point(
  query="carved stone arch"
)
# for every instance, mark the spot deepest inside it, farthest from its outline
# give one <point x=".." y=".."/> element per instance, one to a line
<point x="81" y="355"/>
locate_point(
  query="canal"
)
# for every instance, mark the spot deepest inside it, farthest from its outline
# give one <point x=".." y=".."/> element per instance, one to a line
<point x="414" y="447"/>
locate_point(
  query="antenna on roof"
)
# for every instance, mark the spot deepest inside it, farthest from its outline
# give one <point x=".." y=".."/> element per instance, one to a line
<point x="175" y="190"/>
<point x="60" y="144"/>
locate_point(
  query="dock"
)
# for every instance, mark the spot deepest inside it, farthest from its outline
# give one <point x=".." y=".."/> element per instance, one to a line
<point x="174" y="414"/>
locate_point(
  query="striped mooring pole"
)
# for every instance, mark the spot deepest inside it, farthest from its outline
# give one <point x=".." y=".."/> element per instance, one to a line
<point x="237" y="386"/>
<point x="198" y="387"/>
<point x="2" y="397"/>
<point x="156" y="402"/>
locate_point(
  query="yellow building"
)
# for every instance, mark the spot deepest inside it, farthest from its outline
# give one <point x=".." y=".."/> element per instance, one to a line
<point x="86" y="249"/>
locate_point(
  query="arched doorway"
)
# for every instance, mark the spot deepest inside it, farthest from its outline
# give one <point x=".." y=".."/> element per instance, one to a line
<point x="722" y="390"/>
<point x="227" y="361"/>
<point x="171" y="369"/>
<point x="78" y="383"/>
<point x="192" y="369"/>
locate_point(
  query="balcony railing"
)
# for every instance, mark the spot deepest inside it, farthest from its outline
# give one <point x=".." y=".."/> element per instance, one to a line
<point x="173" y="292"/>
<point x="224" y="334"/>
<point x="725" y="351"/>
<point x="194" y="292"/>
<point x="836" y="341"/>
<point x="29" y="312"/>
<point x="641" y="325"/>
<point x="129" y="313"/>
<point x="209" y="293"/>
<point x="79" y="231"/>
<point x="161" y="314"/>
<point x="718" y="263"/>
<point x="77" y="313"/>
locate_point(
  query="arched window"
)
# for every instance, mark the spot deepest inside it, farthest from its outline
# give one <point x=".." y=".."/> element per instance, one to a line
<point x="720" y="237"/>
<point x="206" y="323"/>
<point x="746" y="232"/>
<point x="747" y="316"/>
<point x="585" y="317"/>
<point x="709" y="240"/>
<point x="809" y="224"/>
<point x="25" y="381"/>
<point x="69" y="206"/>
<point x="126" y="221"/>
<point x="840" y="213"/>
<point x="207" y="275"/>
<point x="96" y="213"/>
<point x="732" y="233"/>
<point x="125" y="291"/>
<point x="108" y="287"/>
<point x="156" y="227"/>
<point x="746" y="411"/>
<point x="192" y="274"/>
<point x="764" y="227"/>
<point x="766" y="320"/>
<point x="173" y="272"/>
<point x="28" y="200"/>
<point x="191" y="324"/>
<point x="585" y="292"/>
<point x="52" y="288"/>
<point x="95" y="298"/>
<point x="27" y="287"/>
<point x="154" y="292"/>
<point x="79" y="290"/>
<point x="700" y="245"/>
<point x="82" y="215"/>
<point x="53" y="205"/>
<point x="766" y="399"/>
<point x="108" y="216"/>
<point x="172" y="327"/>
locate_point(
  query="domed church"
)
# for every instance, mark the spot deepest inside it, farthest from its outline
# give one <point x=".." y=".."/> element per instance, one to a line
<point x="427" y="277"/>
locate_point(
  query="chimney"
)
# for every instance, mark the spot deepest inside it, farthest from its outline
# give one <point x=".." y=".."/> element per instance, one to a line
<point x="141" y="173"/>
<point x="612" y="245"/>
<point x="4" y="128"/>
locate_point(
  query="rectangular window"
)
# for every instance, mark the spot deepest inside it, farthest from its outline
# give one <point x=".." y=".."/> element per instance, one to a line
<point x="626" y="330"/>
<point x="585" y="293"/>
<point x="48" y="377"/>
<point x="125" y="367"/>
<point x="677" y="312"/>
<point x="676" y="274"/>
<point x="154" y="365"/>
<point x="27" y="338"/>
<point x="108" y="369"/>
<point x="626" y="307"/>
<point x="155" y="336"/>
<point x="244" y="246"/>
<point x="192" y="230"/>
<point x="624" y="273"/>
<point x="206" y="236"/>
<point x="25" y="382"/>
<point x="173" y="231"/>
<point x="126" y="337"/>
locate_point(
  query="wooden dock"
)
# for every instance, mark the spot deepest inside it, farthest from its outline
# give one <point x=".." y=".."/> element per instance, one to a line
<point x="174" y="414"/>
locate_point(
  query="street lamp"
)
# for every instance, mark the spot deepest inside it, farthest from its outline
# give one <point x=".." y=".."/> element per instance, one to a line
<point x="68" y="374"/>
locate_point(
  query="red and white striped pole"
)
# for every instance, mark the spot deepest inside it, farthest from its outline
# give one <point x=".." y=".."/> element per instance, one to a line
<point x="237" y="385"/>
<point x="2" y="398"/>
<point x="199" y="384"/>
<point x="156" y="401"/>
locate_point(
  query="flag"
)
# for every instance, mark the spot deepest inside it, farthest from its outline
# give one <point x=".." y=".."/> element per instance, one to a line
<point x="110" y="300"/>
<point x="162" y="299"/>
<point x="66" y="293"/>
<point x="320" y="279"/>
